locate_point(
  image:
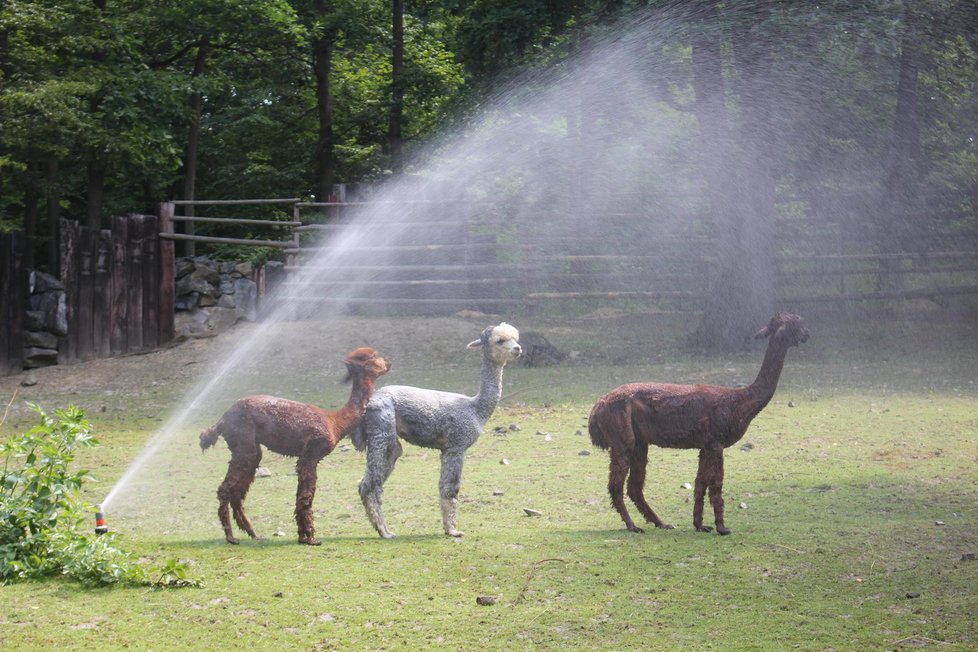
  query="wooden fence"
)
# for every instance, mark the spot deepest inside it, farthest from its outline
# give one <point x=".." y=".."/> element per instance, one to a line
<point x="438" y="256"/>
<point x="118" y="287"/>
<point x="13" y="302"/>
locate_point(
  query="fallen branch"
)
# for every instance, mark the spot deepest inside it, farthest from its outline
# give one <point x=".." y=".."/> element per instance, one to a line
<point x="7" y="410"/>
<point x="529" y="576"/>
<point x="917" y="637"/>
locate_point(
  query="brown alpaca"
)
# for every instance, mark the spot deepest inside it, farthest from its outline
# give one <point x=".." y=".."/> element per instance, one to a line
<point x="288" y="428"/>
<point x="627" y="419"/>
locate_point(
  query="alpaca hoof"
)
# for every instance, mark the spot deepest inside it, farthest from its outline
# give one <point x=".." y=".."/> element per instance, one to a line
<point x="721" y="530"/>
<point x="666" y="526"/>
<point x="232" y="541"/>
<point x="634" y="528"/>
<point x="455" y="533"/>
<point x="387" y="535"/>
<point x="310" y="541"/>
<point x="703" y="528"/>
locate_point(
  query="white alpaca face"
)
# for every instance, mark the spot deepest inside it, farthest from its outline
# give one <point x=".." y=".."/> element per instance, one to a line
<point x="503" y="342"/>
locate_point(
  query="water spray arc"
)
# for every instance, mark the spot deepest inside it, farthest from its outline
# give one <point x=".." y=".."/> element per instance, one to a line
<point x="566" y="170"/>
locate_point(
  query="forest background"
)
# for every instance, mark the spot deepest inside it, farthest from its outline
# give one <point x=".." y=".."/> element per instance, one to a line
<point x="110" y="107"/>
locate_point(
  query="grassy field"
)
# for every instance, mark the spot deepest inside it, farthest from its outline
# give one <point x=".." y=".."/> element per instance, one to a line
<point x="853" y="513"/>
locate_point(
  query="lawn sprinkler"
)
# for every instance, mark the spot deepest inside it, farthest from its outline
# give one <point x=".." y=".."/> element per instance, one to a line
<point x="100" y="526"/>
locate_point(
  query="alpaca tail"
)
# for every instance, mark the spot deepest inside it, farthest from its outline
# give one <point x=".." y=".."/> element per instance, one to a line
<point x="209" y="437"/>
<point x="603" y="422"/>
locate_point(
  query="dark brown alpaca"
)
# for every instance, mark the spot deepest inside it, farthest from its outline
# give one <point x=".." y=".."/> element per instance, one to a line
<point x="627" y="419"/>
<point x="288" y="428"/>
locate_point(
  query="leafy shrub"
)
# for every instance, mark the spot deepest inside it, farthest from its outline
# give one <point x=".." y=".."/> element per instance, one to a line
<point x="42" y="515"/>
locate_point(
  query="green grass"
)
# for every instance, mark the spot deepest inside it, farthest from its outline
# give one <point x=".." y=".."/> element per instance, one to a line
<point x="859" y="492"/>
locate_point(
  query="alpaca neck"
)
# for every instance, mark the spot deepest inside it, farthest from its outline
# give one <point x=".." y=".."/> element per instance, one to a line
<point x="759" y="392"/>
<point x="490" y="389"/>
<point x="356" y="405"/>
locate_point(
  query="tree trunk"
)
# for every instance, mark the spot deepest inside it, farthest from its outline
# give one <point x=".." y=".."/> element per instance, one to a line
<point x="193" y="138"/>
<point x="397" y="86"/>
<point x="739" y="181"/>
<point x="53" y="198"/>
<point x="31" y="200"/>
<point x="95" y="192"/>
<point x="322" y="67"/>
<point x="95" y="186"/>
<point x="899" y="189"/>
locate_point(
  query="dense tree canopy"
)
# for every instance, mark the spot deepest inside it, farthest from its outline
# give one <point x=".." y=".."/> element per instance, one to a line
<point x="858" y="117"/>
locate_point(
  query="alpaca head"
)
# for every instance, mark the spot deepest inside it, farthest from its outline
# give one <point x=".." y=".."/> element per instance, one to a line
<point x="500" y="343"/>
<point x="365" y="362"/>
<point x="785" y="328"/>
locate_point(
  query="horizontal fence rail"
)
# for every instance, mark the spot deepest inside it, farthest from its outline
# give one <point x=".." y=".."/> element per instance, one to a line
<point x="455" y="255"/>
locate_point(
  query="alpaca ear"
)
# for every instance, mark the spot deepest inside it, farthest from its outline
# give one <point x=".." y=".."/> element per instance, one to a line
<point x="764" y="332"/>
<point x="474" y="344"/>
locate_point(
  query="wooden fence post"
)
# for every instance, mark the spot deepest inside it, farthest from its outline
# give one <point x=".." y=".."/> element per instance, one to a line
<point x="134" y="280"/>
<point x="13" y="302"/>
<point x="70" y="242"/>
<point x="167" y="274"/>
<point x="85" y="317"/>
<point x="118" y="302"/>
<point x="102" y="295"/>
<point x="151" y="281"/>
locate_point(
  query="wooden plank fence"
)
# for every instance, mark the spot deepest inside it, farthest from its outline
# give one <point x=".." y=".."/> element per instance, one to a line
<point x="13" y="302"/>
<point x="118" y="288"/>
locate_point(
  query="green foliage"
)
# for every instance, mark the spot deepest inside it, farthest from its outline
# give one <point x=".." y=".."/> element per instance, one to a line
<point x="41" y="512"/>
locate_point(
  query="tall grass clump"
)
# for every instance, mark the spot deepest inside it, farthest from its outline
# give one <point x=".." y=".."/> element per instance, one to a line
<point x="41" y="513"/>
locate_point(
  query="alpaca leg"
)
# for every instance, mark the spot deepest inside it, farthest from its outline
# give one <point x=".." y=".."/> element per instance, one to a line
<point x="304" y="495"/>
<point x="617" y="471"/>
<point x="709" y="478"/>
<point x="382" y="454"/>
<point x="699" y="490"/>
<point x="636" y="483"/>
<point x="716" y="491"/>
<point x="232" y="491"/>
<point x="237" y="500"/>
<point x="223" y="513"/>
<point x="448" y="486"/>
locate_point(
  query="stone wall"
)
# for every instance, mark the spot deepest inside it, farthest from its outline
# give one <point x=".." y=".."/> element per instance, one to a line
<point x="45" y="322"/>
<point x="210" y="297"/>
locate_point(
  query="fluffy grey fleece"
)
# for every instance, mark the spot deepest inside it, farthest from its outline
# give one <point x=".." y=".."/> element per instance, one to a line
<point x="445" y="421"/>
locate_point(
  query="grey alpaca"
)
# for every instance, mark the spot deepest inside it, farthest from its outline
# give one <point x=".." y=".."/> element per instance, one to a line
<point x="444" y="421"/>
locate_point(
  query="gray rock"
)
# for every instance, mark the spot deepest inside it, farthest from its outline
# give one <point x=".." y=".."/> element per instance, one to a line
<point x="186" y="301"/>
<point x="41" y="283"/>
<point x="246" y="299"/>
<point x="245" y="269"/>
<point x="55" y="313"/>
<point x="194" y="283"/>
<point x="203" y="322"/>
<point x="33" y="320"/>
<point x="206" y="301"/>
<point x="35" y="357"/>
<point x="532" y="512"/>
<point x="226" y="301"/>
<point x="41" y="339"/>
<point x="539" y="352"/>
<point x="184" y="267"/>
<point x="207" y="274"/>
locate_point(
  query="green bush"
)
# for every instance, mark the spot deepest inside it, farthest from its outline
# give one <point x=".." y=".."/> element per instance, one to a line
<point x="43" y="519"/>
